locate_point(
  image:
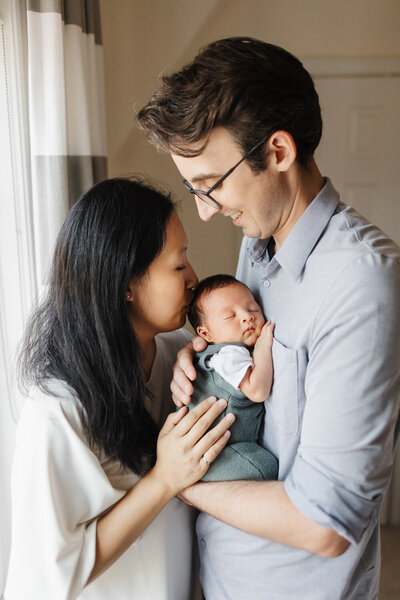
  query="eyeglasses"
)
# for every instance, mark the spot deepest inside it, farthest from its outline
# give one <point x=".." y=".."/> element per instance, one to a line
<point x="206" y="196"/>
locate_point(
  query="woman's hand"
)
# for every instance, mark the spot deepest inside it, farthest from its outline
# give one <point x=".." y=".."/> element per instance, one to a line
<point x="184" y="371"/>
<point x="182" y="443"/>
<point x="185" y="447"/>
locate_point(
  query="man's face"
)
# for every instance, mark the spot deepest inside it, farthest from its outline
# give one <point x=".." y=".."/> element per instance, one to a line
<point x="258" y="203"/>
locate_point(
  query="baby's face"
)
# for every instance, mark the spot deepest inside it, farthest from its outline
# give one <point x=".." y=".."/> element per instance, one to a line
<point x="231" y="315"/>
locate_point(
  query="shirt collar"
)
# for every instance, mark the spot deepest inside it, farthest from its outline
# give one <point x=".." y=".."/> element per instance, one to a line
<point x="293" y="253"/>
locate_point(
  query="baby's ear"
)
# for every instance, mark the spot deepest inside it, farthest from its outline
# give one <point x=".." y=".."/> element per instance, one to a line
<point x="204" y="333"/>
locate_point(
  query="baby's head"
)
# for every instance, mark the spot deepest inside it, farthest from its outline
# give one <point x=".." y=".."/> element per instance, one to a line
<point x="224" y="310"/>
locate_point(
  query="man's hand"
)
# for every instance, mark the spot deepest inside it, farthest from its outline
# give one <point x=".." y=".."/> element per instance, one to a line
<point x="184" y="371"/>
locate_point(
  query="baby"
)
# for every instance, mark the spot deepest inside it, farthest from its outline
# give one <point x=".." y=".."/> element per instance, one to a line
<point x="237" y="366"/>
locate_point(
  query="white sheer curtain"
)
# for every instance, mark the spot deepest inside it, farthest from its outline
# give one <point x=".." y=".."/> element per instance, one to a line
<point x="53" y="148"/>
<point x="66" y="109"/>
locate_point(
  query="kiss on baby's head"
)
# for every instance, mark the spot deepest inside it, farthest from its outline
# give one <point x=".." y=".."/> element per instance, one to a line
<point x="224" y="310"/>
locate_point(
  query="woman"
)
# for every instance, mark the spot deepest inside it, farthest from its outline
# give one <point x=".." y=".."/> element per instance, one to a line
<point x="94" y="508"/>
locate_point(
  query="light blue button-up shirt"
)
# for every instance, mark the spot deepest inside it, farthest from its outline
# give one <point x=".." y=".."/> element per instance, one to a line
<point x="333" y="290"/>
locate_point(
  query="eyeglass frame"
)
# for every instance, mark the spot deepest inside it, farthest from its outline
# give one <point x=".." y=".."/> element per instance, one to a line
<point x="201" y="193"/>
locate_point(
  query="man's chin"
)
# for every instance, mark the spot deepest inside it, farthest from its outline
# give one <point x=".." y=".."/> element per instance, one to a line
<point x="251" y="233"/>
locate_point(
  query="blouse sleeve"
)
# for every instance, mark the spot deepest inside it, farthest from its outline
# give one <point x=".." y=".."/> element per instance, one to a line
<point x="59" y="490"/>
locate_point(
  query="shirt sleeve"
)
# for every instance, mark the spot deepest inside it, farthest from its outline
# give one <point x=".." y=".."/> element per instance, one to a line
<point x="232" y="363"/>
<point x="59" y="490"/>
<point x="352" y="390"/>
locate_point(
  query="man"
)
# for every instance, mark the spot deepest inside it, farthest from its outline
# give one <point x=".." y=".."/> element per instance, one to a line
<point x="242" y="122"/>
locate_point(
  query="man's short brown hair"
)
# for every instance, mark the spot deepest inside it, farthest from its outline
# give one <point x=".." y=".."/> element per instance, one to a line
<point x="248" y="86"/>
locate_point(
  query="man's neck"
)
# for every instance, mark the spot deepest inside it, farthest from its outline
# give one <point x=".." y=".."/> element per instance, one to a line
<point x="304" y="186"/>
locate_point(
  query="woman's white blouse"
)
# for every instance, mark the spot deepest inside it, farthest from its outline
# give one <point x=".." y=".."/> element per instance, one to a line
<point x="59" y="490"/>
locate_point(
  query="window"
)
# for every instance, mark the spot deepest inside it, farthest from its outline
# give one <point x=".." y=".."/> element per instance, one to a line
<point x="17" y="281"/>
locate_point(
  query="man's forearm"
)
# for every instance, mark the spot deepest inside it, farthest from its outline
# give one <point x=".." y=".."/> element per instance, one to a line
<point x="265" y="510"/>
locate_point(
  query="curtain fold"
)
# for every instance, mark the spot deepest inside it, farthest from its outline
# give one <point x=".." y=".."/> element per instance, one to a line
<point x="52" y="84"/>
<point x="66" y="112"/>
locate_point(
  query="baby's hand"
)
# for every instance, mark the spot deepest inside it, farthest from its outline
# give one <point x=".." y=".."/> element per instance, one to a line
<point x="267" y="334"/>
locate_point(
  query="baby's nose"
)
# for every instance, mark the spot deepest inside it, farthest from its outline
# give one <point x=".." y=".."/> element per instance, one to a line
<point x="247" y="317"/>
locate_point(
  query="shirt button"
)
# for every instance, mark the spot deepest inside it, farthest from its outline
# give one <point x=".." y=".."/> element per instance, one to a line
<point x="267" y="283"/>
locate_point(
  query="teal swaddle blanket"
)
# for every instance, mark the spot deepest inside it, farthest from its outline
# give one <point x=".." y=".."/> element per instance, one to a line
<point x="242" y="457"/>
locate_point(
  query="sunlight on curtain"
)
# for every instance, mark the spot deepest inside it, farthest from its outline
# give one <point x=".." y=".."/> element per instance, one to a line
<point x="67" y="112"/>
<point x="17" y="284"/>
<point x="53" y="148"/>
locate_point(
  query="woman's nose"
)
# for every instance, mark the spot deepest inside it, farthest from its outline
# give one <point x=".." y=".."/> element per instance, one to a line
<point x="192" y="280"/>
<point x="206" y="212"/>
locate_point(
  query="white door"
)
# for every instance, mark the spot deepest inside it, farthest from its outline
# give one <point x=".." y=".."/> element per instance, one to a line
<point x="360" y="146"/>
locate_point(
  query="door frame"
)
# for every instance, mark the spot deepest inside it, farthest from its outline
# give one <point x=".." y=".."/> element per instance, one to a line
<point x="325" y="68"/>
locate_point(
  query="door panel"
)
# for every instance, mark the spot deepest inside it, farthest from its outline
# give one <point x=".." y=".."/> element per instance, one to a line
<point x="359" y="149"/>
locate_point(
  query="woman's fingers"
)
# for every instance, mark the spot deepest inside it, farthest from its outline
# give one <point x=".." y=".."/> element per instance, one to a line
<point x="173" y="419"/>
<point x="185" y="438"/>
<point x="206" y="412"/>
<point x="212" y="452"/>
<point x="205" y="422"/>
<point x="214" y="440"/>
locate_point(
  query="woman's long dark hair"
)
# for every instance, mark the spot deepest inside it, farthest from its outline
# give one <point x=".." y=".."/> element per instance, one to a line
<point x="81" y="333"/>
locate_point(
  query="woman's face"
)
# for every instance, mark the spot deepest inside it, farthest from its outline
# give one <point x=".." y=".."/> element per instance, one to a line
<point x="159" y="301"/>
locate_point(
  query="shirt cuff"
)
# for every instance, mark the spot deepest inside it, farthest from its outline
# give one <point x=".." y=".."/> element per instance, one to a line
<point x="327" y="503"/>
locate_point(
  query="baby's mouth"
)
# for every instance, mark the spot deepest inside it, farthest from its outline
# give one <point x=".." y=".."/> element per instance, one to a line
<point x="248" y="330"/>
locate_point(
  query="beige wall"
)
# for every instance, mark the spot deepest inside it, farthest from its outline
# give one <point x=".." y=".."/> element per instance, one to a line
<point x="145" y="37"/>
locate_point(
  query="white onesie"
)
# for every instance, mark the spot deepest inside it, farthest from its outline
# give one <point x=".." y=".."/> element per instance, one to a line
<point x="232" y="363"/>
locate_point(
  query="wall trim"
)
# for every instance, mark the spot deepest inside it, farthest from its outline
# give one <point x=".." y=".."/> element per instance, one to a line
<point x="327" y="68"/>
